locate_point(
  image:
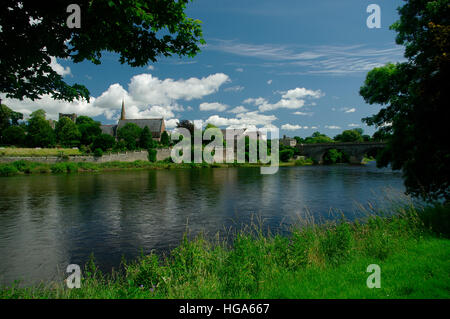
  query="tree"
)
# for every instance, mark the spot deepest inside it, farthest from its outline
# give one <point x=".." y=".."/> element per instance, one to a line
<point x="354" y="135"/>
<point x="40" y="133"/>
<point x="8" y="117"/>
<point x="415" y="97"/>
<point x="318" y="137"/>
<point x="37" y="32"/>
<point x="286" y="155"/>
<point x="67" y="132"/>
<point x="13" y="135"/>
<point x="129" y="134"/>
<point x="165" y="138"/>
<point x="146" y="139"/>
<point x="104" y="142"/>
<point x="88" y="128"/>
<point x="187" y="125"/>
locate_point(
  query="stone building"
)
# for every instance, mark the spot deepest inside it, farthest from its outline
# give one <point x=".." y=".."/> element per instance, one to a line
<point x="156" y="126"/>
<point x="71" y="116"/>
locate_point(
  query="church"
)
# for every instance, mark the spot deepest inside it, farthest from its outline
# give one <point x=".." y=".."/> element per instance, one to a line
<point x="156" y="126"/>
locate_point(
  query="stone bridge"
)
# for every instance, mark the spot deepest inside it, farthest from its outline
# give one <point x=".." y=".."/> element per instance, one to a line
<point x="355" y="150"/>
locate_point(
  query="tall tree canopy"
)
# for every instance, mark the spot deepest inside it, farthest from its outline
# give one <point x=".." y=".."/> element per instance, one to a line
<point x="35" y="32"/>
<point x="414" y="120"/>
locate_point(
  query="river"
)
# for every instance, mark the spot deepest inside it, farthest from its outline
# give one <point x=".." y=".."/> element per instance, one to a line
<point x="50" y="221"/>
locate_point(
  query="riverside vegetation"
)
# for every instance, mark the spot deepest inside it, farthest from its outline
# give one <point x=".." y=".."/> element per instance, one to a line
<point x="411" y="245"/>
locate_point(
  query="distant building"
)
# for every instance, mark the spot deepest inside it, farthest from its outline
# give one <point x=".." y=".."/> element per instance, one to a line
<point x="287" y="141"/>
<point x="71" y="116"/>
<point x="156" y="125"/>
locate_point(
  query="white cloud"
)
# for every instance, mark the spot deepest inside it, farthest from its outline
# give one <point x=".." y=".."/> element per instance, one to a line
<point x="318" y="59"/>
<point x="354" y="125"/>
<point x="291" y="99"/>
<point x="352" y="110"/>
<point x="171" y="123"/>
<point x="215" y="106"/>
<point x="243" y="120"/>
<point x="303" y="113"/>
<point x="147" y="96"/>
<point x="290" y="127"/>
<point x="58" y="68"/>
<point x="332" y="127"/>
<point x="269" y="82"/>
<point x="238" y="109"/>
<point x="236" y="88"/>
<point x="301" y="93"/>
<point x="239" y="70"/>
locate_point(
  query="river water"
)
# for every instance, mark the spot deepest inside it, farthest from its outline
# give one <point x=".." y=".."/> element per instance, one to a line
<point x="50" y="221"/>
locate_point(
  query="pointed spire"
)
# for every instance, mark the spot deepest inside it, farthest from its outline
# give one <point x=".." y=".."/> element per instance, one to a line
<point x="122" y="115"/>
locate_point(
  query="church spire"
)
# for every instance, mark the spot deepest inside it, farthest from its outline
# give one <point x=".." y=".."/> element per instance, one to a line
<point x="122" y="115"/>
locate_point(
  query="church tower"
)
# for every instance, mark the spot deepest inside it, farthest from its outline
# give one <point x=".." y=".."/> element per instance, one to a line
<point x="122" y="115"/>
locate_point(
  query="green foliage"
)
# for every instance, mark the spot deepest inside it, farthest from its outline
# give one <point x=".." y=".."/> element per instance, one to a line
<point x="104" y="142"/>
<point x="129" y="134"/>
<point x="40" y="133"/>
<point x="354" y="135"/>
<point x="8" y="117"/>
<point x="8" y="170"/>
<point x="88" y="128"/>
<point x="317" y="137"/>
<point x="13" y="135"/>
<point x="67" y="133"/>
<point x="138" y="31"/>
<point x="415" y="97"/>
<point x="286" y="155"/>
<point x="98" y="152"/>
<point x="145" y="139"/>
<point x="152" y="154"/>
<point x="165" y="138"/>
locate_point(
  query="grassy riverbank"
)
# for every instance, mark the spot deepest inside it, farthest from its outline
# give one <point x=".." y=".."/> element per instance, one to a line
<point x="27" y="167"/>
<point x="36" y="152"/>
<point x="412" y="248"/>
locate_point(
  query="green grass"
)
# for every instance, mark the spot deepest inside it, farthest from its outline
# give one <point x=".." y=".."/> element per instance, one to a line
<point x="313" y="261"/>
<point x="21" y="151"/>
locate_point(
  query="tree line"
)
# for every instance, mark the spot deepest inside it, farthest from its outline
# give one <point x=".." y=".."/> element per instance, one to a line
<point x="85" y="133"/>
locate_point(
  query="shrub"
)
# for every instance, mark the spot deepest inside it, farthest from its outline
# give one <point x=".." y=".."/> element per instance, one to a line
<point x="8" y="170"/>
<point x="98" y="152"/>
<point x="152" y="155"/>
<point x="286" y="155"/>
<point x="58" y="168"/>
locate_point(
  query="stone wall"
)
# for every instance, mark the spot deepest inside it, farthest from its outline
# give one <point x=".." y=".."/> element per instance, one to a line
<point x="162" y="154"/>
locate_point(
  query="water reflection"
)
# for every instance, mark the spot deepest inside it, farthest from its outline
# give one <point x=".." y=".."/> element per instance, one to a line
<point x="49" y="221"/>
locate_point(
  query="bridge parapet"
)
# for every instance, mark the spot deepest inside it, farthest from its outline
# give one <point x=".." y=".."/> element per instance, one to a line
<point x="355" y="150"/>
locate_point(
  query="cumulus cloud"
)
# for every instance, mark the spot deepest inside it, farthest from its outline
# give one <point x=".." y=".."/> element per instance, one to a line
<point x="290" y="127"/>
<point x="332" y="127"/>
<point x="238" y="109"/>
<point x="58" y="68"/>
<point x="215" y="106"/>
<point x="269" y="82"/>
<point x="146" y="96"/>
<point x="291" y="99"/>
<point x="243" y="120"/>
<point x="354" y="125"/>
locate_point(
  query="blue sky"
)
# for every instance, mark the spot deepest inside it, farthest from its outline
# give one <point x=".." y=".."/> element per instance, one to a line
<point x="297" y="65"/>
